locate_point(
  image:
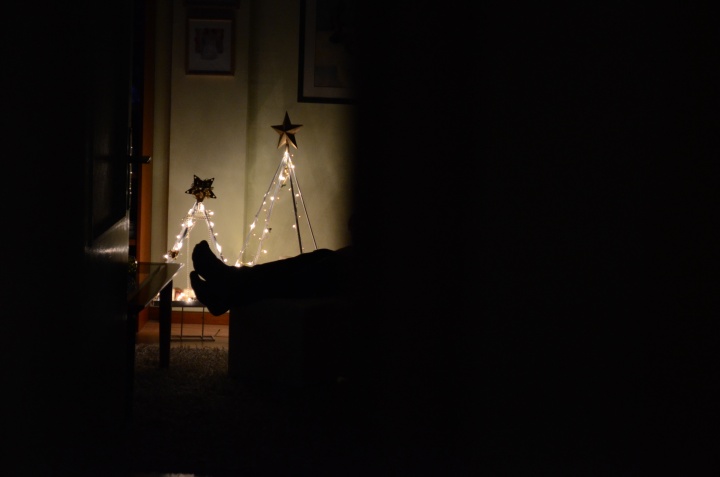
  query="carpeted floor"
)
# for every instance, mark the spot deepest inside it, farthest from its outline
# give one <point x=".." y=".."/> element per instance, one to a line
<point x="193" y="418"/>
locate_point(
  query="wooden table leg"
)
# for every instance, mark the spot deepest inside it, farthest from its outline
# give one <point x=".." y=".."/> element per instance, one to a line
<point x="165" y="324"/>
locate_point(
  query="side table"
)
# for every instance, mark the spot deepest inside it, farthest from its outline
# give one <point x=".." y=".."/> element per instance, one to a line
<point x="152" y="279"/>
<point x="149" y="279"/>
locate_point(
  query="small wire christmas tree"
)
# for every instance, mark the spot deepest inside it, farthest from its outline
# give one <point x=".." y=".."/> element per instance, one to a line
<point x="284" y="176"/>
<point x="201" y="189"/>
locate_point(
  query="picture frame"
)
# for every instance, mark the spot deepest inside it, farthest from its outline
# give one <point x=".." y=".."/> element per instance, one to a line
<point x="210" y="44"/>
<point x="327" y="72"/>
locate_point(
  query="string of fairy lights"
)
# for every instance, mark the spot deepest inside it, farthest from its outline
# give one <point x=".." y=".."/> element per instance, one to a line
<point x="201" y="189"/>
<point x="284" y="175"/>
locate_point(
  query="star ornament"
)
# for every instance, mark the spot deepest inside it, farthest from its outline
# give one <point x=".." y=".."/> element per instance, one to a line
<point x="287" y="131"/>
<point x="201" y="189"/>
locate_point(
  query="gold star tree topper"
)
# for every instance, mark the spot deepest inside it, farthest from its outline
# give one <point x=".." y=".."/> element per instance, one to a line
<point x="287" y="131"/>
<point x="201" y="189"/>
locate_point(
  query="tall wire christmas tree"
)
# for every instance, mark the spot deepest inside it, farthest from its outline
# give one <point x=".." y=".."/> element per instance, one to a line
<point x="201" y="189"/>
<point x="283" y="178"/>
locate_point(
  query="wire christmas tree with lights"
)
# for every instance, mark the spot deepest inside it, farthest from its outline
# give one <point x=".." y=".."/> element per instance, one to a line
<point x="284" y="177"/>
<point x="201" y="189"/>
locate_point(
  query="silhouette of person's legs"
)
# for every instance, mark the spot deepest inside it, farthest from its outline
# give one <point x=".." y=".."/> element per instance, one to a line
<point x="316" y="274"/>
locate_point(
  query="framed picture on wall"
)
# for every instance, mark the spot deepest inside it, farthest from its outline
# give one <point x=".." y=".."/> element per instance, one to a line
<point x="210" y="45"/>
<point x="327" y="46"/>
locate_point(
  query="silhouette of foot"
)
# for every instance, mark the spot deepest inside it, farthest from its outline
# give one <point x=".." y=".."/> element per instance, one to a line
<point x="207" y="264"/>
<point x="214" y="296"/>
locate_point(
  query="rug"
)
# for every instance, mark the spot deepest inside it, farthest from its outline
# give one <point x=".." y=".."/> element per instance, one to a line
<point x="193" y="418"/>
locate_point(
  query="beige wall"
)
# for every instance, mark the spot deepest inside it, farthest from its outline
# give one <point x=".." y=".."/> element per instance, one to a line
<point x="220" y="127"/>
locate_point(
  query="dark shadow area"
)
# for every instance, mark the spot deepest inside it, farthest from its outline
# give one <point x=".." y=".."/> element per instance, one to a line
<point x="540" y="292"/>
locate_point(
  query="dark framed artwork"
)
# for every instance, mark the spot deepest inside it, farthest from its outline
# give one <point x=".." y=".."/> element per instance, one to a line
<point x="210" y="45"/>
<point x="327" y="45"/>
